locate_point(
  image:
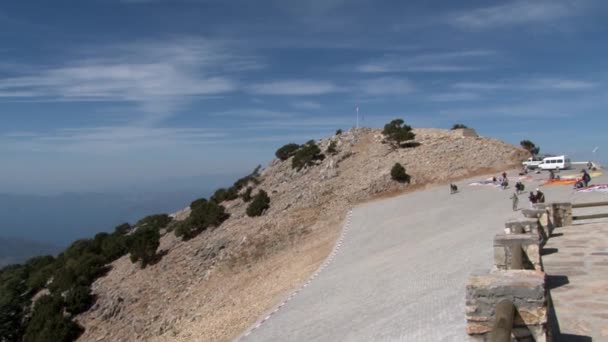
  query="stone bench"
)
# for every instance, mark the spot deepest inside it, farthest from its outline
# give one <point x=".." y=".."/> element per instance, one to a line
<point x="505" y="246"/>
<point x="524" y="288"/>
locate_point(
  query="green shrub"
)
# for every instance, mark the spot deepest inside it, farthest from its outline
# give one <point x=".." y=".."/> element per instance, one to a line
<point x="459" y="126"/>
<point x="397" y="132"/>
<point x="40" y="270"/>
<point x="339" y="131"/>
<point x="222" y="195"/>
<point x="48" y="323"/>
<point x="197" y="202"/>
<point x="530" y="146"/>
<point x="260" y="202"/>
<point x="122" y="229"/>
<point x="286" y="151"/>
<point x="202" y="216"/>
<point x="12" y="302"/>
<point x="247" y="194"/>
<point x="332" y="148"/>
<point x="114" y="246"/>
<point x="143" y="245"/>
<point x="78" y="271"/>
<point x="253" y="177"/>
<point x="78" y="299"/>
<point x="156" y="221"/>
<point x="306" y="155"/>
<point x="398" y="174"/>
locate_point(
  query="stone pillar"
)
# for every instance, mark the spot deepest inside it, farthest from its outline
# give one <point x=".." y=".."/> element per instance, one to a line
<point x="525" y="289"/>
<point x="504" y="251"/>
<point x="562" y="214"/>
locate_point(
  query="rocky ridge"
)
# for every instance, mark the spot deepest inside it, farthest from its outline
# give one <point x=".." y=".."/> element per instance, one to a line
<point x="214" y="286"/>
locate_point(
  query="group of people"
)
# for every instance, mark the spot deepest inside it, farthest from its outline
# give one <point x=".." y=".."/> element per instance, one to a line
<point x="538" y="197"/>
<point x="502" y="180"/>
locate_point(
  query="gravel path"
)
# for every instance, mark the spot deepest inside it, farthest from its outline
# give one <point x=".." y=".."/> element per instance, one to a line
<point x="401" y="272"/>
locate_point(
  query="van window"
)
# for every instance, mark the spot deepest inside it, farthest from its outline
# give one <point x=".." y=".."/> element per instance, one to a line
<point x="560" y="161"/>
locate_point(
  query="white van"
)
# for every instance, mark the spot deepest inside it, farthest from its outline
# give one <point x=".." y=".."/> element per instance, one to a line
<point x="553" y="163"/>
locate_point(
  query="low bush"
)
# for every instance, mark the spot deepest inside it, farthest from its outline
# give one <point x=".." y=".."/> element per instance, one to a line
<point x="459" y="126"/>
<point x="338" y="132"/>
<point x="286" y="151"/>
<point x="222" y="195"/>
<point x="143" y="245"/>
<point x="397" y="132"/>
<point x="204" y="214"/>
<point x="332" y="148"/>
<point x="48" y="324"/>
<point x="156" y="221"/>
<point x="398" y="174"/>
<point x="122" y="229"/>
<point x="78" y="299"/>
<point x="247" y="194"/>
<point x="306" y="155"/>
<point x="260" y="202"/>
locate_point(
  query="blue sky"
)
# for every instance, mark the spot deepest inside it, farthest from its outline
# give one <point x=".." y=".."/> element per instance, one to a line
<point x="104" y="94"/>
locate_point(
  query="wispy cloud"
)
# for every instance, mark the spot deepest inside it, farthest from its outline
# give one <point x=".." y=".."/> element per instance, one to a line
<point x="516" y="13"/>
<point x="540" y="84"/>
<point x="295" y="87"/>
<point x="385" y="86"/>
<point x="306" y="105"/>
<point x="455" y="61"/>
<point x="158" y="77"/>
<point x="454" y="97"/>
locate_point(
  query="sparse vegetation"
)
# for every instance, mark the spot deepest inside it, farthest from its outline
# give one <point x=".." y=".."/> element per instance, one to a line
<point x="332" y="148"/>
<point x="204" y="214"/>
<point x="78" y="299"/>
<point x="530" y="147"/>
<point x="143" y="245"/>
<point x="459" y="126"/>
<point x="247" y="194"/>
<point x="306" y="155"/>
<point x="397" y="132"/>
<point x="260" y="202"/>
<point x="48" y="324"/>
<point x="339" y="131"/>
<point x="287" y="151"/>
<point x="398" y="174"/>
<point x="156" y="221"/>
<point x="222" y="195"/>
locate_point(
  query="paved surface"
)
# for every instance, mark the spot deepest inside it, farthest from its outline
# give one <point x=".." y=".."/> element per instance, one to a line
<point x="401" y="271"/>
<point x="577" y="268"/>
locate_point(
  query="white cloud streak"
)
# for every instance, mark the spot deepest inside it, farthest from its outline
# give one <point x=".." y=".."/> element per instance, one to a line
<point x="457" y="61"/>
<point x="517" y="13"/>
<point x="385" y="86"/>
<point x="295" y="87"/>
<point x="158" y="77"/>
<point x="539" y="84"/>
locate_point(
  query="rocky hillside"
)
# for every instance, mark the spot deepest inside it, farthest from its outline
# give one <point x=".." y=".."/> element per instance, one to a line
<point x="215" y="285"/>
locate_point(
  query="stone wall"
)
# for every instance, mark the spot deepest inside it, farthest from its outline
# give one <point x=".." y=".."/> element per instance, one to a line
<point x="525" y="287"/>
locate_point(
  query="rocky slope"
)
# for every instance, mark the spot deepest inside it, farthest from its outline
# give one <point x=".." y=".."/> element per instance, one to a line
<point x="214" y="286"/>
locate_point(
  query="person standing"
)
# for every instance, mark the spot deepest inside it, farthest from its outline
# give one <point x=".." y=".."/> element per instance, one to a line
<point x="515" y="200"/>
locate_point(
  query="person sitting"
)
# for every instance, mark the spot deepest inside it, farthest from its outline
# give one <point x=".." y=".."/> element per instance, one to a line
<point x="586" y="178"/>
<point x="540" y="197"/>
<point x="532" y="199"/>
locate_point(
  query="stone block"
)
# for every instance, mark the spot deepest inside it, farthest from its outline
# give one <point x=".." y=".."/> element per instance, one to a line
<point x="504" y="245"/>
<point x="533" y="213"/>
<point x="521" y="226"/>
<point x="562" y="214"/>
<point x="524" y="288"/>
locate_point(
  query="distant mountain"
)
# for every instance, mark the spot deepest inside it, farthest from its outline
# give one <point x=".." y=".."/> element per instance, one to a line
<point x="13" y="250"/>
